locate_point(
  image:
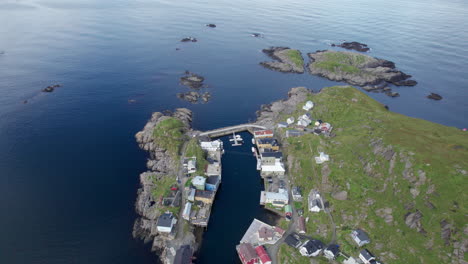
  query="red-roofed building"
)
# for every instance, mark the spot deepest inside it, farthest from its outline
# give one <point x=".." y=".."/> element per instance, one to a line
<point x="301" y="226"/>
<point x="263" y="255"/>
<point x="247" y="254"/>
<point x="263" y="133"/>
<point x="279" y="231"/>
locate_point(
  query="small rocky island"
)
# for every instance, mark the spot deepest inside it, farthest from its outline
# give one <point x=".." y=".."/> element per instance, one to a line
<point x="356" y="69"/>
<point x="286" y="60"/>
<point x="361" y="47"/>
<point x="194" y="82"/>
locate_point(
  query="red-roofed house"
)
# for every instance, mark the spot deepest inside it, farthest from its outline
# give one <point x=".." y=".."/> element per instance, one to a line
<point x="279" y="231"/>
<point x="247" y="254"/>
<point x="301" y="226"/>
<point x="263" y="255"/>
<point x="263" y="133"/>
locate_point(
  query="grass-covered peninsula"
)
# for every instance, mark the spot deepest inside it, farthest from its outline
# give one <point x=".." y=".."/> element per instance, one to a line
<point x="401" y="179"/>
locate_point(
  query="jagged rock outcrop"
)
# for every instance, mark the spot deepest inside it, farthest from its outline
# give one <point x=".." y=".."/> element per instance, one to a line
<point x="356" y="69"/>
<point x="160" y="164"/>
<point x="353" y="46"/>
<point x="286" y="60"/>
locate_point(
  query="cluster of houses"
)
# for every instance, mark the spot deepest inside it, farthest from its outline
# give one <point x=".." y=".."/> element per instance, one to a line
<point x="202" y="190"/>
<point x="200" y="193"/>
<point x="270" y="160"/>
<point x="251" y="249"/>
<point x="302" y="125"/>
<point x="312" y="247"/>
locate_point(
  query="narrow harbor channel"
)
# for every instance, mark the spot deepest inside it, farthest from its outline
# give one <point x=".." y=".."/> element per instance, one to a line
<point x="235" y="206"/>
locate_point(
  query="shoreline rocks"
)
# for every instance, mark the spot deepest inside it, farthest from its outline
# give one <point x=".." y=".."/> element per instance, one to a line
<point x="284" y="60"/>
<point x="160" y="164"/>
<point x="356" y="69"/>
<point x="361" y="47"/>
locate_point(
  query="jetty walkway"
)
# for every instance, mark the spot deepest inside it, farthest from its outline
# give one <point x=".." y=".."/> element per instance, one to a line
<point x="231" y="129"/>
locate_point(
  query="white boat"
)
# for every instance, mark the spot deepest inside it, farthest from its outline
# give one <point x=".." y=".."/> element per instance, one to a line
<point x="253" y="150"/>
<point x="253" y="141"/>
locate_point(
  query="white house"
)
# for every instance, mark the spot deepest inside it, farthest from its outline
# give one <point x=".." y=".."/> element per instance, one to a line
<point x="166" y="222"/>
<point x="192" y="165"/>
<point x="322" y="158"/>
<point x="199" y="182"/>
<point x="311" y="248"/>
<point x="304" y="120"/>
<point x="308" y="105"/>
<point x="290" y="120"/>
<point x="187" y="211"/>
<point x="360" y="237"/>
<point x="279" y="199"/>
<point x="276" y="169"/>
<point x="315" y="201"/>
<point x="366" y="256"/>
<point x="212" y="145"/>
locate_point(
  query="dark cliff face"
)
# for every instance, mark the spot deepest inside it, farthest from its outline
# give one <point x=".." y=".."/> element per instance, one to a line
<point x="160" y="164"/>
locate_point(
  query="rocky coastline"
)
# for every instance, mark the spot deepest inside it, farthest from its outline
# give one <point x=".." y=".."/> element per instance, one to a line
<point x="195" y="82"/>
<point x="160" y="164"/>
<point x="356" y="69"/>
<point x="285" y="60"/>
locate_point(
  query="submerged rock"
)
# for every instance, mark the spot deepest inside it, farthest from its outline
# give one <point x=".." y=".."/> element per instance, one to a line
<point x="189" y="39"/>
<point x="51" y="88"/>
<point x="192" y="80"/>
<point x="434" y="96"/>
<point x="286" y="60"/>
<point x="353" y="46"/>
<point x="356" y="69"/>
<point x="256" y="35"/>
<point x="211" y="25"/>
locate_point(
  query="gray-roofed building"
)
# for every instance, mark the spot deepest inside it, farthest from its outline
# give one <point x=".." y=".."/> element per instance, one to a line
<point x="204" y="196"/>
<point x="311" y="248"/>
<point x="366" y="256"/>
<point x="331" y="251"/>
<point x="292" y="240"/>
<point x="296" y="193"/>
<point x="360" y="237"/>
<point x="282" y="125"/>
<point x="165" y="222"/>
<point x="294" y="133"/>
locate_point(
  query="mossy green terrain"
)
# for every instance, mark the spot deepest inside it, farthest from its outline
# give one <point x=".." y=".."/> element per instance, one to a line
<point x="193" y="149"/>
<point x="390" y="165"/>
<point x="345" y="62"/>
<point x="295" y="57"/>
<point x="169" y="134"/>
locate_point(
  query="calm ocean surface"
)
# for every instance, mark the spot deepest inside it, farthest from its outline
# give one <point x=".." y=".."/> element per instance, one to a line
<point x="69" y="163"/>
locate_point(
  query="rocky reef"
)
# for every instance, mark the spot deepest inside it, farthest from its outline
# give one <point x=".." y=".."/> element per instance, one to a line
<point x="361" y="47"/>
<point x="51" y="88"/>
<point x="286" y="60"/>
<point x="356" y="69"/>
<point x="195" y="82"/>
<point x="160" y="164"/>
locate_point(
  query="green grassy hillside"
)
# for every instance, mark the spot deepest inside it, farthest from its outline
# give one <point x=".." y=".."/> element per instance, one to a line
<point x="389" y="165"/>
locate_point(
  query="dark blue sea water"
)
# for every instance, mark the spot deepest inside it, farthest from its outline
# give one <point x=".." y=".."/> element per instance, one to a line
<point x="69" y="164"/>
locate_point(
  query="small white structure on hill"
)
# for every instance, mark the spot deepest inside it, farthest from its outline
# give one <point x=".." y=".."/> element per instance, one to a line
<point x="290" y="120"/>
<point x="304" y="120"/>
<point x="322" y="158"/>
<point x="192" y="165"/>
<point x="315" y="201"/>
<point x="308" y="105"/>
